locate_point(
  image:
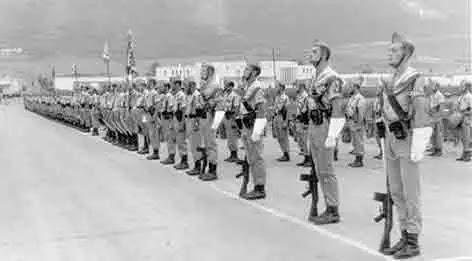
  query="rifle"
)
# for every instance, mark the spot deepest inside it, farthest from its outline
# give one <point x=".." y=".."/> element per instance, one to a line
<point x="312" y="180"/>
<point x="386" y="210"/>
<point x="245" y="175"/>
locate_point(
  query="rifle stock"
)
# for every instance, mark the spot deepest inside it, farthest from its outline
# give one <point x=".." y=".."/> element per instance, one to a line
<point x="245" y="176"/>
<point x="386" y="214"/>
<point x="312" y="190"/>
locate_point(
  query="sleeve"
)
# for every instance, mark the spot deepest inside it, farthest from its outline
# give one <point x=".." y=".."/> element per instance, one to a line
<point x="260" y="104"/>
<point x="335" y="89"/>
<point x="421" y="116"/>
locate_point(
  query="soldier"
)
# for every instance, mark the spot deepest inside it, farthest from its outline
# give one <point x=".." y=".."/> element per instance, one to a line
<point x="303" y="120"/>
<point x="211" y="94"/>
<point x="377" y="110"/>
<point x="194" y="114"/>
<point x="231" y="101"/>
<point x="436" y="104"/>
<point x="355" y="114"/>
<point x="180" y="125"/>
<point x="168" y="124"/>
<point x="281" y="122"/>
<point x="253" y="121"/>
<point x="327" y="121"/>
<point x="143" y="146"/>
<point x="465" y="108"/>
<point x="96" y="113"/>
<point x="404" y="112"/>
<point x="154" y="118"/>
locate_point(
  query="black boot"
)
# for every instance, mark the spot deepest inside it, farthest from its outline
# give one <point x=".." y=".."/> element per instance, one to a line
<point x="196" y="169"/>
<point x="335" y="156"/>
<point x="170" y="160"/>
<point x="379" y="156"/>
<point x="95" y="132"/>
<point x="398" y="246"/>
<point x="329" y="216"/>
<point x="467" y="156"/>
<point x="436" y="153"/>
<point x="411" y="249"/>
<point x="154" y="155"/>
<point x="183" y="163"/>
<point x="133" y="143"/>
<point x="462" y="157"/>
<point x="358" y="162"/>
<point x="233" y="157"/>
<point x="284" y="158"/>
<point x="257" y="193"/>
<point x="211" y="174"/>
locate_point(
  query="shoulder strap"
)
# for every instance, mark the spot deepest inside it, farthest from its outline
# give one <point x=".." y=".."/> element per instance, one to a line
<point x="391" y="97"/>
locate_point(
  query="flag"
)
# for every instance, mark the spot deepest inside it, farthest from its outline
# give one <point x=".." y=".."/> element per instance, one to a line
<point x="131" y="59"/>
<point x="106" y="52"/>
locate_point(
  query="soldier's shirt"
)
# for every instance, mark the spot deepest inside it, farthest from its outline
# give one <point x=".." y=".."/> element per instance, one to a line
<point x="140" y="100"/>
<point x="195" y="101"/>
<point x="356" y="107"/>
<point x="327" y="83"/>
<point x="231" y="101"/>
<point x="408" y="89"/>
<point x="465" y="102"/>
<point x="254" y="96"/>
<point x="180" y="101"/>
<point x="212" y="94"/>
<point x="437" y="99"/>
<point x="302" y="102"/>
<point x="168" y="102"/>
<point x="281" y="101"/>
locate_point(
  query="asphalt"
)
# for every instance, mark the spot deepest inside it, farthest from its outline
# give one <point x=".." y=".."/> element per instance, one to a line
<point x="65" y="195"/>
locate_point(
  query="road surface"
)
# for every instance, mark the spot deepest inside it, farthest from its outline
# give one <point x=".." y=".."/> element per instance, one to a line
<point x="65" y="195"/>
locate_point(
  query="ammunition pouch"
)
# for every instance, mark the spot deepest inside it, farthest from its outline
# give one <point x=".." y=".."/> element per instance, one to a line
<point x="399" y="129"/>
<point x="192" y="116"/>
<point x="249" y="120"/>
<point x="168" y="115"/>
<point x="229" y="114"/>
<point x="179" y="115"/>
<point x="380" y="129"/>
<point x="201" y="113"/>
<point x="317" y="116"/>
<point x="239" y="123"/>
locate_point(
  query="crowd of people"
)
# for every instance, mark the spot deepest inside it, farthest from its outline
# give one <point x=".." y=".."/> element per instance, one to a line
<point x="406" y="116"/>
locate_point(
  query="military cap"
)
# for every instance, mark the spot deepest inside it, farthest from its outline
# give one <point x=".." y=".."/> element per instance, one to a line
<point x="407" y="44"/>
<point x="323" y="46"/>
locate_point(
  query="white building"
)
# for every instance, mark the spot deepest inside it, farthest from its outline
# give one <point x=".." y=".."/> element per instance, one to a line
<point x="66" y="82"/>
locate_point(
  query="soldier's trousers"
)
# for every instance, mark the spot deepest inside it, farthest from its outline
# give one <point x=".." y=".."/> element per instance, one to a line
<point x="281" y="133"/>
<point x="232" y="134"/>
<point x="404" y="182"/>
<point x="153" y="127"/>
<point x="302" y="137"/>
<point x="195" y="137"/>
<point x="170" y="136"/>
<point x="181" y="136"/>
<point x="466" y="135"/>
<point x="323" y="159"/>
<point x="254" y="155"/>
<point x="209" y="138"/>
<point x="358" y="133"/>
<point x="437" y="137"/>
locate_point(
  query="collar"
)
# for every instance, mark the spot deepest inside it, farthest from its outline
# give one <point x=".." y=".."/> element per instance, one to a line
<point x="409" y="72"/>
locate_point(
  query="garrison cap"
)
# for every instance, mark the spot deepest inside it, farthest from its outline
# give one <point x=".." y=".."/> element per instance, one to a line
<point x="407" y="44"/>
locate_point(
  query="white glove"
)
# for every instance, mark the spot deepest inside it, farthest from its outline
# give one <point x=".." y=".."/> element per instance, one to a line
<point x="419" y="142"/>
<point x="335" y="127"/>
<point x="144" y="119"/>
<point x="259" y="126"/>
<point x="219" y="116"/>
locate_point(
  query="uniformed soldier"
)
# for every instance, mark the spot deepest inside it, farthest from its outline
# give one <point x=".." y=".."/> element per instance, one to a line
<point x="355" y="114"/>
<point x="404" y="111"/>
<point x="194" y="114"/>
<point x="96" y="112"/>
<point x="231" y="101"/>
<point x="168" y="124"/>
<point x="465" y="108"/>
<point x="141" y="131"/>
<point x="436" y="105"/>
<point x="377" y="110"/>
<point x="211" y="93"/>
<point x="326" y="122"/>
<point x="155" y="107"/>
<point x="302" y="121"/>
<point x="253" y="122"/>
<point x="180" y="108"/>
<point x="281" y="122"/>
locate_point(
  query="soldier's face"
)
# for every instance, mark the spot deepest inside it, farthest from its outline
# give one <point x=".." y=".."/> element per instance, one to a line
<point x="315" y="55"/>
<point x="395" y="54"/>
<point x="204" y="73"/>
<point x="247" y="74"/>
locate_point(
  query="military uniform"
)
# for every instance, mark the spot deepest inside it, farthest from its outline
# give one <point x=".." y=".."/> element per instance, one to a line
<point x="154" y="106"/>
<point x="181" y="129"/>
<point x="355" y="113"/>
<point x="231" y="102"/>
<point x="252" y="112"/>
<point x="302" y="127"/>
<point x="281" y="125"/>
<point x="169" y="127"/>
<point x="436" y="103"/>
<point x="465" y="108"/>
<point x="194" y="114"/>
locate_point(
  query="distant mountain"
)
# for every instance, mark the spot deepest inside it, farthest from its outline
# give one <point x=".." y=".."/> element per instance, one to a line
<point x="70" y="31"/>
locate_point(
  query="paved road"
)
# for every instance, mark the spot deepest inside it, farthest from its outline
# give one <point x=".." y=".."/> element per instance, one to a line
<point x="67" y="196"/>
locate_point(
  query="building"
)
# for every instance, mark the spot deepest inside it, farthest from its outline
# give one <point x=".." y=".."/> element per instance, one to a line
<point x="66" y="82"/>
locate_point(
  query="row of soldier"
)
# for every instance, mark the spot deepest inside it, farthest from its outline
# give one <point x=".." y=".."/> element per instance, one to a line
<point x="138" y="117"/>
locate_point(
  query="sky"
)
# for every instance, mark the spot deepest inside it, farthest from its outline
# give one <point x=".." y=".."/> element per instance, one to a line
<point x="63" y="31"/>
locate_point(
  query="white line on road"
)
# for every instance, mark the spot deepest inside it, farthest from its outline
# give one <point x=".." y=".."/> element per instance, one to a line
<point x="302" y="223"/>
<point x="458" y="258"/>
